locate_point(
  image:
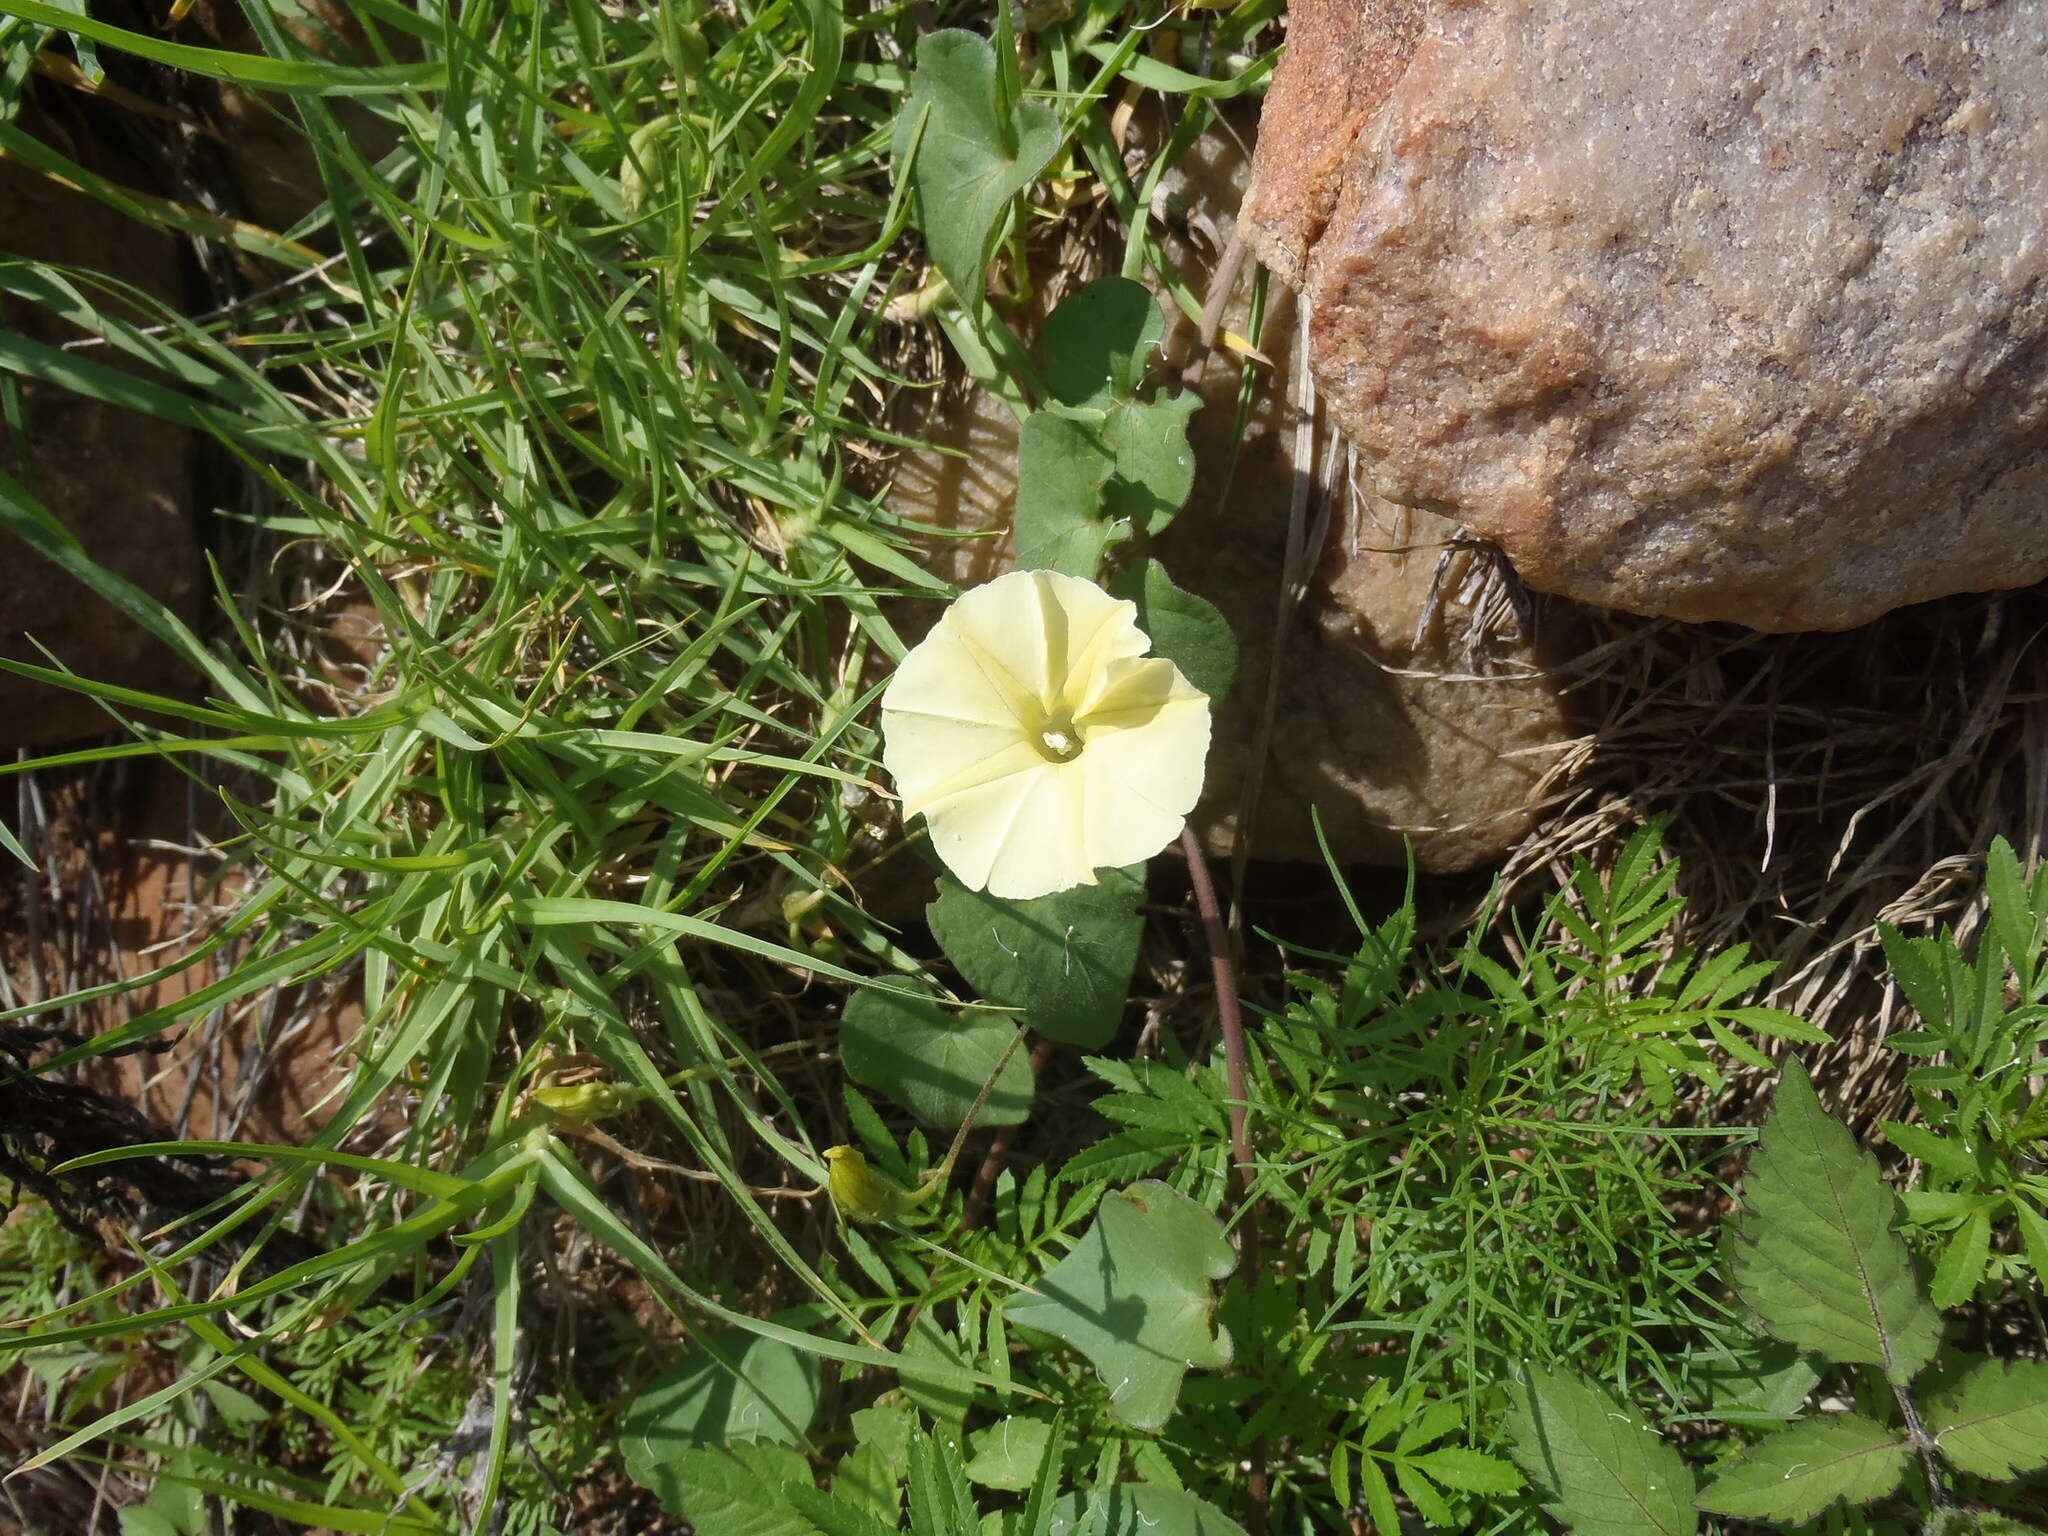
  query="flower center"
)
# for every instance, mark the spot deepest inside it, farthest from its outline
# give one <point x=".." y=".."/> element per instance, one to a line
<point x="1059" y="739"/>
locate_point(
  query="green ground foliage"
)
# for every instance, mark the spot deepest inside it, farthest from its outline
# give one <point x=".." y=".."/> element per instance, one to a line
<point x="581" y="378"/>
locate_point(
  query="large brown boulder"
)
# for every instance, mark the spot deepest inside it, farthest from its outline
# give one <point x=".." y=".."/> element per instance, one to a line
<point x="1715" y="309"/>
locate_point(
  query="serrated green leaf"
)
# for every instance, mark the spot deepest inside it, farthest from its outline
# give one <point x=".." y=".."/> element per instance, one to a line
<point x="1918" y="965"/>
<point x="1796" y="1473"/>
<point x="829" y="1513"/>
<point x="1187" y="630"/>
<point x="2015" y="916"/>
<point x="1815" y="1253"/>
<point x="1934" y="1207"/>
<point x="2033" y="1237"/>
<point x="1147" y="1114"/>
<point x="1135" y="1297"/>
<point x="1994" y="1421"/>
<point x="1423" y="1495"/>
<point x="1045" y="1485"/>
<point x="1605" y="1472"/>
<point x="1432" y="1422"/>
<point x="872" y="1474"/>
<point x="1140" y="1509"/>
<point x="1064" y="959"/>
<point x="1122" y="1157"/>
<point x="941" y="1504"/>
<point x="738" y="1490"/>
<point x="964" y="155"/>
<point x="933" y="1060"/>
<point x="945" y="1403"/>
<point x="1470" y="1471"/>
<point x="1930" y="1147"/>
<point x="1379" y="1498"/>
<point x="1963" y="1261"/>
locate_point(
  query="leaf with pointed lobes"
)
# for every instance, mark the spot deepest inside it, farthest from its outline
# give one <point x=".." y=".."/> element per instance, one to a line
<point x="1135" y="1297"/>
<point x="1793" y="1475"/>
<point x="1606" y="1473"/>
<point x="1815" y="1254"/>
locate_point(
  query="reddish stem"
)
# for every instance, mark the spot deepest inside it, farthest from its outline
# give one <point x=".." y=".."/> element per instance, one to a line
<point x="1231" y="1018"/>
<point x="1228" y="1014"/>
<point x="998" y="1150"/>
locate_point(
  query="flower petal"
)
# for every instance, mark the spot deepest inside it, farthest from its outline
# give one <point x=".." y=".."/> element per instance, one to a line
<point x="941" y="679"/>
<point x="1130" y="693"/>
<point x="966" y="723"/>
<point x="931" y="759"/>
<point x="1045" y="633"/>
<point x="1017" y="837"/>
<point x="947" y="725"/>
<point x="1144" y="767"/>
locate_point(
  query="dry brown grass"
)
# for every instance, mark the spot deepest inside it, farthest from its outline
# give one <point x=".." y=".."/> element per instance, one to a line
<point x="1815" y="786"/>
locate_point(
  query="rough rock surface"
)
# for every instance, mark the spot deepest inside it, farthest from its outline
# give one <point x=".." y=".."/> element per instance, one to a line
<point x="119" y="480"/>
<point x="1392" y="715"/>
<point x="1715" y="309"/>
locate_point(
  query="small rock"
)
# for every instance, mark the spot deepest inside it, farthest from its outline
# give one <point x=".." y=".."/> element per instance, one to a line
<point x="1401" y="716"/>
<point x="119" y="480"/>
<point x="1712" y="309"/>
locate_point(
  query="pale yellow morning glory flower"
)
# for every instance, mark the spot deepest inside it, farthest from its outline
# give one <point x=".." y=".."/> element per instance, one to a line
<point x="1037" y="739"/>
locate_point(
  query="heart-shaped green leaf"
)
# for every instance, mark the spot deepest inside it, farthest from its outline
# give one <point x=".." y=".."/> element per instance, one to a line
<point x="1064" y="959"/>
<point x="966" y="152"/>
<point x="1099" y="342"/>
<point x="1062" y="467"/>
<point x="1155" y="467"/>
<point x="1135" y="1297"/>
<point x="1187" y="630"/>
<point x="933" y="1060"/>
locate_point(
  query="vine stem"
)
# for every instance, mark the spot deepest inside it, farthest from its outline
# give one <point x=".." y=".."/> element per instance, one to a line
<point x="1923" y="1444"/>
<point x="1230" y="1016"/>
<point x="1228" y="1013"/>
<point x="998" y="1150"/>
<point x="944" y="1171"/>
<point x="1221" y="284"/>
